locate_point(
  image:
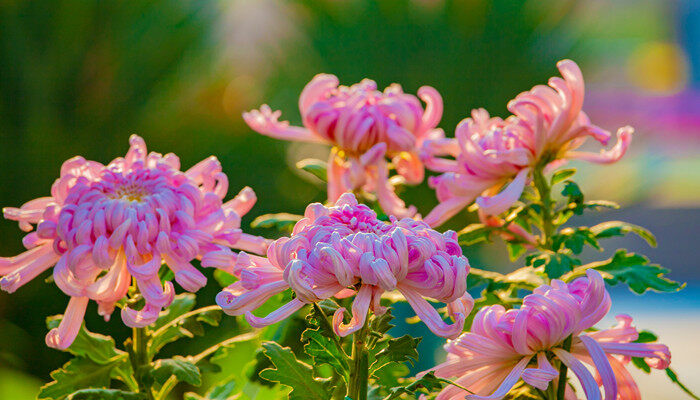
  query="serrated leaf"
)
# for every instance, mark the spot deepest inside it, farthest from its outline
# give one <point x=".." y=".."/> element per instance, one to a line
<point x="429" y="382"/>
<point x="105" y="394"/>
<point x="293" y="373"/>
<point x="317" y="168"/>
<point x="619" y="228"/>
<point x="554" y="264"/>
<point x="575" y="239"/>
<point x="635" y="271"/>
<point x="473" y="234"/>
<point x="382" y="323"/>
<point x="279" y="221"/>
<point x="78" y="373"/>
<point x="325" y="351"/>
<point x="399" y="350"/>
<point x="575" y="197"/>
<point x="183" y="369"/>
<point x="98" y="348"/>
<point x="223" y="391"/>
<point x="562" y="175"/>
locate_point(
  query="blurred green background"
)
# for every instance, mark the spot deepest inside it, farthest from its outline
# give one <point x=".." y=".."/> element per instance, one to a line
<point x="80" y="76"/>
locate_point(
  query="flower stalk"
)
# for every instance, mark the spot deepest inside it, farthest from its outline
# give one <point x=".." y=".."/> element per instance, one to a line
<point x="545" y="194"/>
<point x="561" y="388"/>
<point x="140" y="359"/>
<point x="359" y="375"/>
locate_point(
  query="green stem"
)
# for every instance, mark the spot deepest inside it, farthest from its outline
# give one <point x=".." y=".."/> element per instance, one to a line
<point x="326" y="326"/>
<point x="140" y="359"/>
<point x="545" y="194"/>
<point x="211" y="350"/>
<point x="359" y="375"/>
<point x="561" y="389"/>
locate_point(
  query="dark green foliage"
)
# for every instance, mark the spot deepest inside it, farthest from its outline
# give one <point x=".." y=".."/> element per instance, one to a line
<point x="280" y="221"/>
<point x="183" y="369"/>
<point x="636" y="271"/>
<point x="291" y="372"/>
<point x="105" y="394"/>
<point x="315" y="167"/>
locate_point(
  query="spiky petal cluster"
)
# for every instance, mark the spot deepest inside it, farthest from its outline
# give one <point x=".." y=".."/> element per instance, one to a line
<point x="489" y="155"/>
<point x="364" y="126"/>
<point x="105" y="224"/>
<point x="505" y="346"/>
<point x="334" y="251"/>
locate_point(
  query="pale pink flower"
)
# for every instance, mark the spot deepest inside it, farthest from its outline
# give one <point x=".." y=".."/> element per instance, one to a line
<point x="491" y="159"/>
<point x="334" y="251"/>
<point x="364" y="126"/>
<point x="105" y="224"/>
<point x="505" y="346"/>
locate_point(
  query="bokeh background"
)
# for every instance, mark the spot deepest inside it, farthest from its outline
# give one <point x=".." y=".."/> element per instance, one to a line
<point x="80" y="76"/>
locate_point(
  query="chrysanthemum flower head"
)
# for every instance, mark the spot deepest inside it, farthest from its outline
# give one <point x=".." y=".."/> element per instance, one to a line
<point x="364" y="126"/>
<point x="490" y="159"/>
<point x="104" y="224"/>
<point x="504" y="346"/>
<point x="343" y="250"/>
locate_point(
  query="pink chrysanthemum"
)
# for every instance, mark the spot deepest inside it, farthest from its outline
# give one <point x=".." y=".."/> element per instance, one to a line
<point x="505" y="346"/>
<point x="337" y="250"/>
<point x="364" y="126"/>
<point x="488" y="153"/>
<point x="104" y="225"/>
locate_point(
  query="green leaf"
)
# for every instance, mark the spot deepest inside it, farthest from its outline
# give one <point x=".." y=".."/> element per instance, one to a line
<point x="181" y="368"/>
<point x="98" y="348"/>
<point x="293" y="373"/>
<point x="619" y="228"/>
<point x="105" y="394"/>
<point x="473" y="234"/>
<point x="575" y="196"/>
<point x="641" y="364"/>
<point x="562" y="175"/>
<point x="223" y="391"/>
<point x="182" y="304"/>
<point x="674" y="378"/>
<point x="554" y="264"/>
<point x="186" y="324"/>
<point x="399" y="350"/>
<point x="597" y="204"/>
<point x="575" y="239"/>
<point x="429" y="382"/>
<point x="325" y="351"/>
<point x="646" y="337"/>
<point x="78" y="373"/>
<point x="515" y="250"/>
<point x="315" y="167"/>
<point x="522" y="391"/>
<point x="280" y="221"/>
<point x="635" y="271"/>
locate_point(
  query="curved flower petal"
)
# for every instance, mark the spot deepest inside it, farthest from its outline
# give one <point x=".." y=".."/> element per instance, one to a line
<point x="360" y="308"/>
<point x="624" y="138"/>
<point x="501" y="202"/>
<point x="590" y="387"/>
<point x="62" y="337"/>
<point x="275" y="316"/>
<point x="600" y="360"/>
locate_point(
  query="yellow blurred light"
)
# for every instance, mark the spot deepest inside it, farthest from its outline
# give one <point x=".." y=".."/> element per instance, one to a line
<point x="659" y="67"/>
